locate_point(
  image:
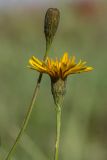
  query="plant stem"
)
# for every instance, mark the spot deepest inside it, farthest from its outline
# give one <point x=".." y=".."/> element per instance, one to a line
<point x="28" y="114"/>
<point x="58" y="127"/>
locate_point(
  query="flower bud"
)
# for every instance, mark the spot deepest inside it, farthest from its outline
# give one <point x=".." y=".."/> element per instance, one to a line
<point x="51" y="24"/>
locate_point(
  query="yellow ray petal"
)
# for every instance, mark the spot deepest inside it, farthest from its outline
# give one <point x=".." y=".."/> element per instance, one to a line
<point x="73" y="60"/>
<point x="88" y="69"/>
<point x="36" y="60"/>
<point x="64" y="58"/>
<point x="36" y="65"/>
<point x="49" y="63"/>
<point x="77" y="70"/>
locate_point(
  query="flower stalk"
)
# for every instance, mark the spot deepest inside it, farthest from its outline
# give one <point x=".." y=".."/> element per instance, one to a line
<point x="28" y="114"/>
<point x="58" y="130"/>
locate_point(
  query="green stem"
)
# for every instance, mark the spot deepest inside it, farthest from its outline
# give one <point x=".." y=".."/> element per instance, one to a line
<point x="58" y="127"/>
<point x="28" y="114"/>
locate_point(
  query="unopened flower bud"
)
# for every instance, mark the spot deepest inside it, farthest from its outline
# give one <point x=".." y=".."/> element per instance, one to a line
<point x="51" y="24"/>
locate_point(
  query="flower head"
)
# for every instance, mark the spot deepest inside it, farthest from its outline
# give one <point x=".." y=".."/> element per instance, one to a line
<point x="59" y="68"/>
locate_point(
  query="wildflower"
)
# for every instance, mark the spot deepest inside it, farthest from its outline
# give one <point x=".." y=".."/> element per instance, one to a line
<point x="58" y="71"/>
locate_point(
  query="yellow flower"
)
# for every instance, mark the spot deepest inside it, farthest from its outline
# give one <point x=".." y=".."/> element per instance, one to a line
<point x="59" y="68"/>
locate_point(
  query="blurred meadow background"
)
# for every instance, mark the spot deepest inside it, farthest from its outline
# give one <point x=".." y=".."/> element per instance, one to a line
<point x="82" y="32"/>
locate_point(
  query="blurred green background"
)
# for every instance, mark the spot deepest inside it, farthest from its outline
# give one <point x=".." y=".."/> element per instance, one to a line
<point x="82" y="32"/>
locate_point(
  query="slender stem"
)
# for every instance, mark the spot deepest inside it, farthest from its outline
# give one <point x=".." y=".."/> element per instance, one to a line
<point x="58" y="127"/>
<point x="28" y="114"/>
